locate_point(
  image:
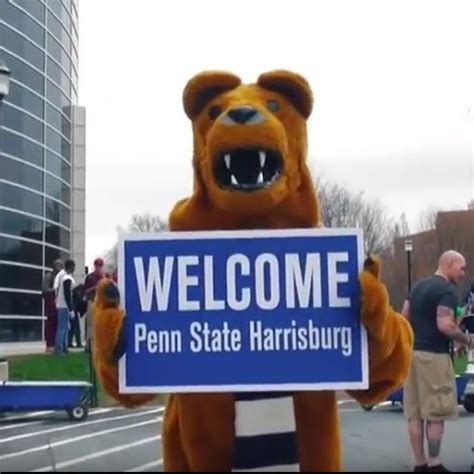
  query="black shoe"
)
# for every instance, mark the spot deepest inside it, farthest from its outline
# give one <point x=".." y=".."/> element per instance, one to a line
<point x="421" y="468"/>
<point x="438" y="468"/>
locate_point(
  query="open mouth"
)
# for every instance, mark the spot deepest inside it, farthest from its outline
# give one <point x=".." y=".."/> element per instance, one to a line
<point x="247" y="169"/>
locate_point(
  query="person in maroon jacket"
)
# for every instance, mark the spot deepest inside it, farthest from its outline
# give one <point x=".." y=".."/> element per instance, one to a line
<point x="90" y="286"/>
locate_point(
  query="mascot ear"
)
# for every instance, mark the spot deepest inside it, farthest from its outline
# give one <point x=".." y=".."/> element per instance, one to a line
<point x="203" y="87"/>
<point x="291" y="85"/>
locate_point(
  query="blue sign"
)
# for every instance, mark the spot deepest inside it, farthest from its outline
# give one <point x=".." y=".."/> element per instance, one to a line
<point x="243" y="311"/>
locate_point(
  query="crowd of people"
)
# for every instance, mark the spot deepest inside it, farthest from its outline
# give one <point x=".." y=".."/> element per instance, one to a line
<point x="69" y="306"/>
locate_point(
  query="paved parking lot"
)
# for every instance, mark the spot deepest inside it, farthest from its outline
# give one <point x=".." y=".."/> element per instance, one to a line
<point x="130" y="441"/>
<point x="116" y="440"/>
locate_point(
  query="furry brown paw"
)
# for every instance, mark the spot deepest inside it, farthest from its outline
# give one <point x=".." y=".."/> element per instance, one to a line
<point x="374" y="298"/>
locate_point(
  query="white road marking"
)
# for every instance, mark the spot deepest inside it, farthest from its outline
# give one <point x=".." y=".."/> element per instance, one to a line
<point x="79" y="425"/>
<point x="99" y="454"/>
<point x="147" y="467"/>
<point x="99" y="411"/>
<point x="37" y="414"/>
<point x="79" y="438"/>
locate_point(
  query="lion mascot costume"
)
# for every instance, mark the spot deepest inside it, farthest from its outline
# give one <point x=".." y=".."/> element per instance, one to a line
<point x="250" y="172"/>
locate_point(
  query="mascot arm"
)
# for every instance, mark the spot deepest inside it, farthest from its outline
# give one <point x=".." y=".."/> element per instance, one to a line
<point x="107" y="332"/>
<point x="390" y="339"/>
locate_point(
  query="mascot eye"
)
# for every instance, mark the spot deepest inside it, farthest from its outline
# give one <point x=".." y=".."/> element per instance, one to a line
<point x="273" y="105"/>
<point x="214" y="112"/>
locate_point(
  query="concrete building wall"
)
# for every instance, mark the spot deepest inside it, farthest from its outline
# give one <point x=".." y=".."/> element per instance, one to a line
<point x="78" y="231"/>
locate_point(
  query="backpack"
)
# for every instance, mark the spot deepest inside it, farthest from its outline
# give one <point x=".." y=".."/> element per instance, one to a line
<point x="79" y="300"/>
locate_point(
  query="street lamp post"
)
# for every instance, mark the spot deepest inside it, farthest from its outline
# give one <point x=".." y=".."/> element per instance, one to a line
<point x="408" y="250"/>
<point x="4" y="90"/>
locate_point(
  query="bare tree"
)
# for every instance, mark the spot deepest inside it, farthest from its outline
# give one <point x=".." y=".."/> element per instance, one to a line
<point x="147" y="223"/>
<point x="401" y="228"/>
<point x="143" y="223"/>
<point x="427" y="219"/>
<point x="378" y="227"/>
<point x="339" y="207"/>
<point x="342" y="208"/>
<point x="470" y="205"/>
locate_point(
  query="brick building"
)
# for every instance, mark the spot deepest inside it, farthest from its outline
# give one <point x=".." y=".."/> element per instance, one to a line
<point x="453" y="230"/>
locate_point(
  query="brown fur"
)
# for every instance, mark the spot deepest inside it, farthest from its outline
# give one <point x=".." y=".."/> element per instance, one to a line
<point x="198" y="428"/>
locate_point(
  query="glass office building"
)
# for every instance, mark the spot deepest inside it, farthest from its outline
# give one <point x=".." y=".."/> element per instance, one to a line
<point x="39" y="44"/>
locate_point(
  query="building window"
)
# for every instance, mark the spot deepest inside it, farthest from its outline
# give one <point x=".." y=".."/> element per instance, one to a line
<point x="21" y="173"/>
<point x="21" y="199"/>
<point x="55" y="73"/>
<point x="53" y="254"/>
<point x="20" y="304"/>
<point x="58" y="190"/>
<point x="57" y="143"/>
<point x="58" y="213"/>
<point x="57" y="236"/>
<point x="21" y="330"/>
<point x="59" y="121"/>
<point x="23" y="73"/>
<point x="59" y="31"/>
<point x="20" y="225"/>
<point x="23" y="148"/>
<point x="33" y="7"/>
<point x="16" y="277"/>
<point x="58" y="53"/>
<point x="23" y="23"/>
<point x="23" y="123"/>
<point x="14" y="250"/>
<point x="25" y="99"/>
<point x="20" y="46"/>
<point x="56" y="96"/>
<point x="58" y="166"/>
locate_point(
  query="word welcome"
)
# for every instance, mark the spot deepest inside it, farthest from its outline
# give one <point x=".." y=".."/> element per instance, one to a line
<point x="302" y="282"/>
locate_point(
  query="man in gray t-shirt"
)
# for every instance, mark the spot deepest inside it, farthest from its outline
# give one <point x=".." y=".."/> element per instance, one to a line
<point x="430" y="395"/>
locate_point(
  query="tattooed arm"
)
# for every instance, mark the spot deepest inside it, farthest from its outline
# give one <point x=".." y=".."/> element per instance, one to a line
<point x="446" y="323"/>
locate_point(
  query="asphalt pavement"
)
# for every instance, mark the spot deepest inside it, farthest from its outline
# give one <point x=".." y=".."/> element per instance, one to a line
<point x="109" y="440"/>
<point x="130" y="441"/>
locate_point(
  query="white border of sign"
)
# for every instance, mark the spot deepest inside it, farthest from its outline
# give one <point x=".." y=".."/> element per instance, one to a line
<point x="232" y="234"/>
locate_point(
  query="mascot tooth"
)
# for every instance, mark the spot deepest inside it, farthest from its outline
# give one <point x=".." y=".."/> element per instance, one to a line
<point x="250" y="172"/>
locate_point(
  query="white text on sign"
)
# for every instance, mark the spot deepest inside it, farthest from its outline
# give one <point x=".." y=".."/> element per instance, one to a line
<point x="203" y="338"/>
<point x="302" y="282"/>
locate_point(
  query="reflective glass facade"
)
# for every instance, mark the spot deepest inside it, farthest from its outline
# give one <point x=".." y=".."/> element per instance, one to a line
<point x="39" y="44"/>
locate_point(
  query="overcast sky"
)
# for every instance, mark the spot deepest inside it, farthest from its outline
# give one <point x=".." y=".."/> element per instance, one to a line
<point x="393" y="83"/>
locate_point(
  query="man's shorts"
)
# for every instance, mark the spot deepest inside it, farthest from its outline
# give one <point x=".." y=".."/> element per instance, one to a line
<point x="430" y="391"/>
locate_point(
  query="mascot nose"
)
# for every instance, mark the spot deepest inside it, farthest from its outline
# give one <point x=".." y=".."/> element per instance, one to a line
<point x="243" y="115"/>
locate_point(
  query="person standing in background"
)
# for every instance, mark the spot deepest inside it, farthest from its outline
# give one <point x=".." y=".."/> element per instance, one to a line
<point x="79" y="311"/>
<point x="64" y="285"/>
<point x="49" y="298"/>
<point x="90" y="286"/>
<point x="430" y="390"/>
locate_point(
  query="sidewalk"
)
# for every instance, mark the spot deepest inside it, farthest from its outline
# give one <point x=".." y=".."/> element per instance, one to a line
<point x="21" y="348"/>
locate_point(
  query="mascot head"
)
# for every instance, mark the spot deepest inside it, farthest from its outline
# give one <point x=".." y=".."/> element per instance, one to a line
<point x="250" y="146"/>
<point x="107" y="294"/>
